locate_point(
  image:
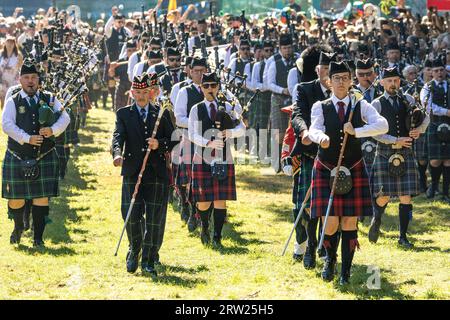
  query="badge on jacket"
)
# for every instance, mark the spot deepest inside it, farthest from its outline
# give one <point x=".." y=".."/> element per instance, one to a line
<point x="21" y="109"/>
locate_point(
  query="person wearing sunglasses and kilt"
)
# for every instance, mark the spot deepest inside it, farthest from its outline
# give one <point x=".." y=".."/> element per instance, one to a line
<point x="352" y="198"/>
<point x="395" y="172"/>
<point x="30" y="168"/>
<point x="213" y="174"/>
<point x="131" y="138"/>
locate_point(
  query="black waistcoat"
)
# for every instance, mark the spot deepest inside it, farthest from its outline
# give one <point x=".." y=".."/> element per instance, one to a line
<point x="395" y="118"/>
<point x="261" y="71"/>
<point x="194" y="97"/>
<point x="334" y="130"/>
<point x="27" y="119"/>
<point x="282" y="73"/>
<point x="115" y="42"/>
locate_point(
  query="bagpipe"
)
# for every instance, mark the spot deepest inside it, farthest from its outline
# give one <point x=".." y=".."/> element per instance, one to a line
<point x="416" y="113"/>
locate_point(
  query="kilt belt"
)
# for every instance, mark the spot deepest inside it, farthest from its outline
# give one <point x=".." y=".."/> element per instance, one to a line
<point x="15" y="155"/>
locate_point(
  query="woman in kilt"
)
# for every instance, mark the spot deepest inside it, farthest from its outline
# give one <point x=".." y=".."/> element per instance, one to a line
<point x="329" y="122"/>
<point x="28" y="140"/>
<point x="211" y="192"/>
<point x="395" y="171"/>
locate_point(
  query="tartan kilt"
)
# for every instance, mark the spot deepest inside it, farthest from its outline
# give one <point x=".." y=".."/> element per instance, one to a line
<point x="261" y="109"/>
<point x="421" y="147"/>
<point x="383" y="184"/>
<point x="358" y="202"/>
<point x="304" y="181"/>
<point x="205" y="188"/>
<point x="14" y="186"/>
<point x="184" y="169"/>
<point x="121" y="98"/>
<point x="278" y="119"/>
<point x="437" y="150"/>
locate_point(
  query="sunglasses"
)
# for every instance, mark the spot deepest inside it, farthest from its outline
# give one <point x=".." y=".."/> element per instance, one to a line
<point x="365" y="74"/>
<point x="174" y="59"/>
<point x="210" y="85"/>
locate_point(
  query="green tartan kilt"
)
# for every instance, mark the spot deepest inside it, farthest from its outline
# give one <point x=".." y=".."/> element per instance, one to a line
<point x="14" y="186"/>
<point x="304" y="181"/>
<point x="261" y="111"/>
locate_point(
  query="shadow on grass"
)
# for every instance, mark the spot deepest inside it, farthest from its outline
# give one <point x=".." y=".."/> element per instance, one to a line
<point x="61" y="251"/>
<point x="263" y="183"/>
<point x="359" y="285"/>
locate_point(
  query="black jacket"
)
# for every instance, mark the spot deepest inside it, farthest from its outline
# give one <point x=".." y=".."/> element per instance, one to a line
<point x="129" y="140"/>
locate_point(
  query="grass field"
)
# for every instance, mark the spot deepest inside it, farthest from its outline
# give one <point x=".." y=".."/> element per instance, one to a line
<point x="78" y="261"/>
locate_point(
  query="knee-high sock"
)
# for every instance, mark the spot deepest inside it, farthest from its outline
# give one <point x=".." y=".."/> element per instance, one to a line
<point x="422" y="174"/>
<point x="330" y="244"/>
<point x="405" y="214"/>
<point x="435" y="176"/>
<point x="378" y="211"/>
<point x="39" y="213"/>
<point x="27" y="210"/>
<point x="219" y="220"/>
<point x="311" y="230"/>
<point x="204" y="216"/>
<point x="300" y="230"/>
<point x="446" y="180"/>
<point x="349" y="244"/>
<point x="17" y="216"/>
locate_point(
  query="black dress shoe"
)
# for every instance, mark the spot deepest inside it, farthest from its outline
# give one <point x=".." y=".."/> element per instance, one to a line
<point x="329" y="269"/>
<point x="192" y="223"/>
<point x="405" y="243"/>
<point x="38" y="243"/>
<point x="344" y="279"/>
<point x="297" y="257"/>
<point x="149" y="270"/>
<point x="132" y="261"/>
<point x="374" y="230"/>
<point x="322" y="253"/>
<point x="445" y="199"/>
<point x="15" y="236"/>
<point x="431" y="192"/>
<point x="309" y="260"/>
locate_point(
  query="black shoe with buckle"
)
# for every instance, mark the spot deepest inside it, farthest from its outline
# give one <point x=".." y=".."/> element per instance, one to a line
<point x="15" y="236"/>
<point x="132" y="261"/>
<point x="309" y="259"/>
<point x="329" y="269"/>
<point x="344" y="279"/>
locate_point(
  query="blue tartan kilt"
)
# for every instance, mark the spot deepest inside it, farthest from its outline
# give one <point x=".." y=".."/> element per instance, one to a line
<point x="384" y="184"/>
<point x="437" y="150"/>
<point x="14" y="186"/>
<point x="421" y="148"/>
<point x="304" y="180"/>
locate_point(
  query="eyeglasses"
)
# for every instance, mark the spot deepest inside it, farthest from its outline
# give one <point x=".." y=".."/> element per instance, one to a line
<point x="209" y="85"/>
<point x="268" y="50"/>
<point x="365" y="74"/>
<point x="174" y="59"/>
<point x="341" y="79"/>
<point x="244" y="48"/>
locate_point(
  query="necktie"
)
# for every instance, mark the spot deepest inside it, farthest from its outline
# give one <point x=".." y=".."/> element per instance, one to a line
<point x="175" y="77"/>
<point x="341" y="111"/>
<point x="367" y="96"/>
<point x="213" y="111"/>
<point x="143" y="114"/>
<point x="327" y="93"/>
<point x="395" y="103"/>
<point x="32" y="101"/>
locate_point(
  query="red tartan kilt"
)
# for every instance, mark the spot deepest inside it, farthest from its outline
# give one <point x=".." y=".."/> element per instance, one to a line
<point x="205" y="188"/>
<point x="358" y="202"/>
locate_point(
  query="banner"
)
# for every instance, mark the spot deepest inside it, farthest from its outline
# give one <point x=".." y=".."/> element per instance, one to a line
<point x="442" y="5"/>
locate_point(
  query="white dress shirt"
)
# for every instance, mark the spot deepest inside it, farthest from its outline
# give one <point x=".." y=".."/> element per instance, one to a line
<point x="181" y="114"/>
<point x="375" y="123"/>
<point x="292" y="80"/>
<point x="134" y="59"/>
<point x="248" y="71"/>
<point x="256" y="83"/>
<point x="437" y="110"/>
<point x="271" y="78"/>
<point x="18" y="134"/>
<point x="232" y="67"/>
<point x="176" y="89"/>
<point x="195" y="130"/>
<point x="388" y="139"/>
